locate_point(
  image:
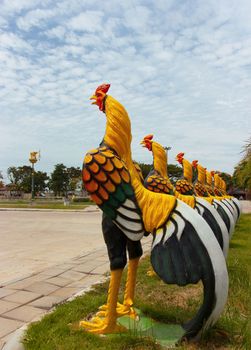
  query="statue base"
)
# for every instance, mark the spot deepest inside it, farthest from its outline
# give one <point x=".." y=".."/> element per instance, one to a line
<point x="167" y="335"/>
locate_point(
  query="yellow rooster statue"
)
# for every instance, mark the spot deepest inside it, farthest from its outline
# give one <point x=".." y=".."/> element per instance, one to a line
<point x="184" y="249"/>
<point x="230" y="202"/>
<point x="158" y="177"/>
<point x="223" y="201"/>
<point x="190" y="176"/>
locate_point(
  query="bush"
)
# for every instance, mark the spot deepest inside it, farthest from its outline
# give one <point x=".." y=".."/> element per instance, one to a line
<point x="81" y="199"/>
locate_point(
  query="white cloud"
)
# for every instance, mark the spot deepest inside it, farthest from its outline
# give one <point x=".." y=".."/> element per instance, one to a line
<point x="13" y="41"/>
<point x="35" y="18"/>
<point x="88" y="21"/>
<point x="182" y="70"/>
<point x="15" y="6"/>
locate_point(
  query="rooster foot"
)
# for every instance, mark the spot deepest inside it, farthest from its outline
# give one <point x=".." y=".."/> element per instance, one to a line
<point x="121" y="310"/>
<point x="104" y="308"/>
<point x="99" y="326"/>
<point x="95" y="322"/>
<point x="151" y="273"/>
<point x="124" y="310"/>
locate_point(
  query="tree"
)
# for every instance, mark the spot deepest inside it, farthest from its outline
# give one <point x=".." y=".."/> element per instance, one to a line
<point x="59" y="180"/>
<point x="64" y="179"/>
<point x="228" y="179"/>
<point x="20" y="178"/>
<point x="242" y="172"/>
<point x="1" y="180"/>
<point x="74" y="175"/>
<point x="174" y="172"/>
<point x="145" y="168"/>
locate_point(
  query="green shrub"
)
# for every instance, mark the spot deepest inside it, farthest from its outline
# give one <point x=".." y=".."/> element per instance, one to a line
<point x="81" y="199"/>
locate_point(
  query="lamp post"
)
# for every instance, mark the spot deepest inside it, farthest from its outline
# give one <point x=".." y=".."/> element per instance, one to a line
<point x="33" y="159"/>
<point x="168" y="149"/>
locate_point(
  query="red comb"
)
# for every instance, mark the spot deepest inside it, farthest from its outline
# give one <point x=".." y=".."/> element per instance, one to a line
<point x="179" y="155"/>
<point x="104" y="88"/>
<point x="195" y="163"/>
<point x="148" y="137"/>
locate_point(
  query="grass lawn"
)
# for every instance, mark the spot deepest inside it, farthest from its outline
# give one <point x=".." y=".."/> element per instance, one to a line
<point x="43" y="204"/>
<point x="167" y="303"/>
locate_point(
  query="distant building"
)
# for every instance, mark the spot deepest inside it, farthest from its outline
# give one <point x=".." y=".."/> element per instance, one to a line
<point x="239" y="193"/>
<point x="10" y="191"/>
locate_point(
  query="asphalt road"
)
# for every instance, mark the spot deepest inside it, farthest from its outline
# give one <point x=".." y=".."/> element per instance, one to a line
<point x="33" y="241"/>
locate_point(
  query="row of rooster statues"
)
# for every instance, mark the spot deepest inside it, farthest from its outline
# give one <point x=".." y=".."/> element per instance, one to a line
<point x="191" y="223"/>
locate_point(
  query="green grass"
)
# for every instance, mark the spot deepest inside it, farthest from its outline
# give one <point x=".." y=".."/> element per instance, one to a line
<point x="43" y="204"/>
<point x="163" y="302"/>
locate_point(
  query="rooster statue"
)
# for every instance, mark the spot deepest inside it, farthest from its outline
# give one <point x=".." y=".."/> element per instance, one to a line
<point x="218" y="202"/>
<point x="201" y="190"/>
<point x="234" y="200"/>
<point x="184" y="249"/>
<point x="190" y="174"/>
<point x="158" y="181"/>
<point x="232" y="203"/>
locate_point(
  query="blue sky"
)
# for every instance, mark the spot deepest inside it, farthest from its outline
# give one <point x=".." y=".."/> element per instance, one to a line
<point x="182" y="69"/>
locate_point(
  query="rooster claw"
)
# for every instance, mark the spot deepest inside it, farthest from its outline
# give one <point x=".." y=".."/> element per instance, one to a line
<point x="99" y="326"/>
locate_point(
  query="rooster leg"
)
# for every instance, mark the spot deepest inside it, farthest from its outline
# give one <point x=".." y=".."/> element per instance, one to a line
<point x="108" y="324"/>
<point x="135" y="251"/>
<point x="116" y="243"/>
<point x="126" y="308"/>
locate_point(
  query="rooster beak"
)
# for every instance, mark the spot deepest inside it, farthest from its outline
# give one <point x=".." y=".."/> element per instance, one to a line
<point x="94" y="97"/>
<point x="144" y="144"/>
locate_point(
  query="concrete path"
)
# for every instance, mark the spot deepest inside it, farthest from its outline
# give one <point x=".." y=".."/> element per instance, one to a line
<point x="78" y="266"/>
<point x="246" y="207"/>
<point x="34" y="240"/>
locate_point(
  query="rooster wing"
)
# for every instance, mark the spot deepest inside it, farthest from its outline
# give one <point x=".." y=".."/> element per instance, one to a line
<point x="106" y="178"/>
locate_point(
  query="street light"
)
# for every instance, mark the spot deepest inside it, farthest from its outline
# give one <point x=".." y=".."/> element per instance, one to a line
<point x="33" y="159"/>
<point x="167" y="149"/>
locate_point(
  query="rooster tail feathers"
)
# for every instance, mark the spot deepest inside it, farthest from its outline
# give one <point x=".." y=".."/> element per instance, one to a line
<point x="185" y="251"/>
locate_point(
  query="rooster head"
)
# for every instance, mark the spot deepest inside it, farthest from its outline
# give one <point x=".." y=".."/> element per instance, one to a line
<point x="212" y="173"/>
<point x="147" y="142"/>
<point x="180" y="157"/>
<point x="195" y="163"/>
<point x="99" y="96"/>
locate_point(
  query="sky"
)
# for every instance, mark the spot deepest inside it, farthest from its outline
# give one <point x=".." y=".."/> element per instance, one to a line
<point x="182" y="69"/>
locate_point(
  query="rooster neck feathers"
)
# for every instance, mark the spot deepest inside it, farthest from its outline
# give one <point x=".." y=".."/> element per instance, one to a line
<point x="208" y="178"/>
<point x="118" y="129"/>
<point x="187" y="170"/>
<point x="159" y="159"/>
<point x="118" y="137"/>
<point x="201" y="174"/>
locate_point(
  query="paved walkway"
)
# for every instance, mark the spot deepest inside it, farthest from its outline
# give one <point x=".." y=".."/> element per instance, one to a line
<point x="28" y="299"/>
<point x="246" y="207"/>
<point x="32" y="241"/>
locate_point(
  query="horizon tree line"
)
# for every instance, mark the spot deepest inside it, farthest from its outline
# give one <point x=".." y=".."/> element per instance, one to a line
<point x="63" y="179"/>
<point x="66" y="179"/>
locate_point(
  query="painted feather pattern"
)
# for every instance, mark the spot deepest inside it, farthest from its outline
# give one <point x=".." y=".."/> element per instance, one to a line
<point x="157" y="183"/>
<point x="107" y="180"/>
<point x="200" y="190"/>
<point x="184" y="187"/>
